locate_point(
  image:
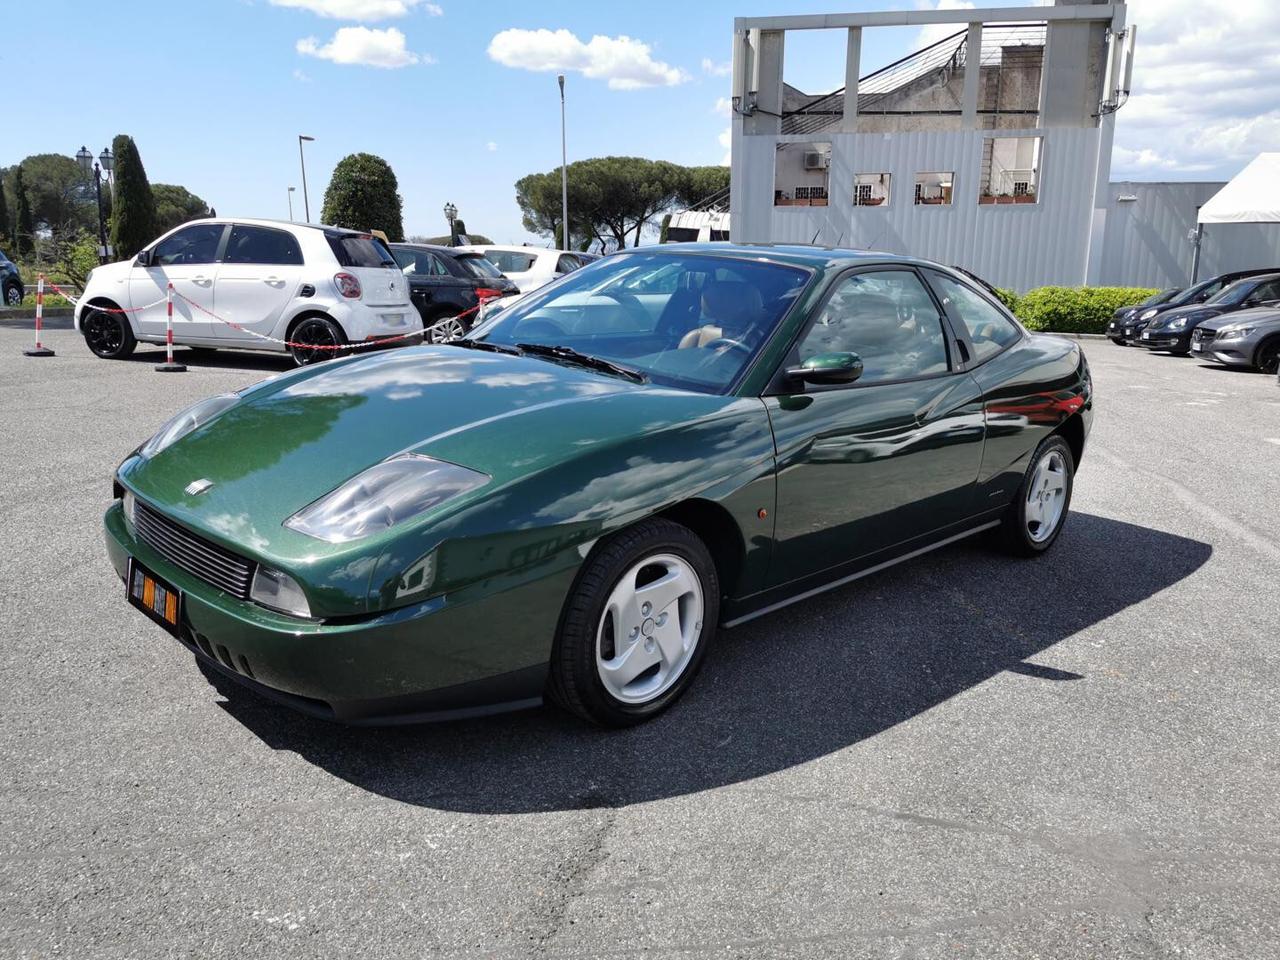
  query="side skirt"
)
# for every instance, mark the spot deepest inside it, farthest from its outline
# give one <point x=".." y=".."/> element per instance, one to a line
<point x="857" y="575"/>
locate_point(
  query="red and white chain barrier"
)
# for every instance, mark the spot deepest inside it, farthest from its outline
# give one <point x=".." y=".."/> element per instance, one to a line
<point x="75" y="301"/>
<point x="39" y="350"/>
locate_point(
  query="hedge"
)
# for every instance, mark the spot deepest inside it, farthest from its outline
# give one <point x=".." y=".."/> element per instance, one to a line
<point x="1071" y="309"/>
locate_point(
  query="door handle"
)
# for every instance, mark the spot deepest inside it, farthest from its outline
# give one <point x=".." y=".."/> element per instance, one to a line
<point x="201" y="281"/>
<point x="273" y="281"/>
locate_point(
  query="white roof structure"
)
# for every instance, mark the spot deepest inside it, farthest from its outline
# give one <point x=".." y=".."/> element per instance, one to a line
<point x="1251" y="196"/>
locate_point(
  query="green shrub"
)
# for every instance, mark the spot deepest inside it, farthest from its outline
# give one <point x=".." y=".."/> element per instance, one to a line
<point x="1075" y="309"/>
<point x="1009" y="298"/>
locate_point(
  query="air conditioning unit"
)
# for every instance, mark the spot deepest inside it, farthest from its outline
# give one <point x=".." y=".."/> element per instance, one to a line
<point x="816" y="161"/>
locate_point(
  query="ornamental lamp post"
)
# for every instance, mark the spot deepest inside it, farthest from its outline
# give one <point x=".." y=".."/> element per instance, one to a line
<point x="451" y="214"/>
<point x="88" y="165"/>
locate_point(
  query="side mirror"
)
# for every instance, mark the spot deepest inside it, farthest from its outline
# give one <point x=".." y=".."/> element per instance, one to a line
<point x="828" y="368"/>
<point x="143" y="259"/>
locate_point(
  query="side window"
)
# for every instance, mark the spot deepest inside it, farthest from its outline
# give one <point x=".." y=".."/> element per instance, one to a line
<point x="1267" y="292"/>
<point x="435" y="267"/>
<point x="197" y="244"/>
<point x="989" y="329"/>
<point x="262" y="245"/>
<point x="567" y="263"/>
<point x="888" y="319"/>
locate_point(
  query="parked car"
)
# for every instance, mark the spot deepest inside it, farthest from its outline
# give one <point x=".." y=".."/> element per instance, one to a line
<point x="1248" y="338"/>
<point x="575" y="498"/>
<point x="1131" y="331"/>
<point x="445" y="282"/>
<point x="314" y="286"/>
<point x="531" y="267"/>
<point x="1128" y="314"/>
<point x="10" y="282"/>
<point x="1171" y="330"/>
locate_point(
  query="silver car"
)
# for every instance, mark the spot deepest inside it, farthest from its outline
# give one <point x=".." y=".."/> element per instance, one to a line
<point x="1248" y="338"/>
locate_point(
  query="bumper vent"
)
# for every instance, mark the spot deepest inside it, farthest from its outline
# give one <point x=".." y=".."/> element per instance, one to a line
<point x="196" y="555"/>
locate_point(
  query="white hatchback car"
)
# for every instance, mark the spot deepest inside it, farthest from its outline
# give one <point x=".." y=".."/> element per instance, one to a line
<point x="531" y="267"/>
<point x="236" y="282"/>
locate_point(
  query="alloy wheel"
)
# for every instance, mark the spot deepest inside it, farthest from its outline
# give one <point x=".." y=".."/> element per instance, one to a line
<point x="12" y="296"/>
<point x="650" y="628"/>
<point x="1046" y="496"/>
<point x="103" y="333"/>
<point x="446" y="330"/>
<point x="312" y="335"/>
<point x="1269" y="358"/>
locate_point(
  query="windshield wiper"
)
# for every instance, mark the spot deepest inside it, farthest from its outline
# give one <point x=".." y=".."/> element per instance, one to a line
<point x="571" y="355"/>
<point x="470" y="344"/>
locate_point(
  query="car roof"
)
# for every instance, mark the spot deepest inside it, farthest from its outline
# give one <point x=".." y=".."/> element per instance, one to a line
<point x="433" y="248"/>
<point x="798" y="254"/>
<point x="267" y="222"/>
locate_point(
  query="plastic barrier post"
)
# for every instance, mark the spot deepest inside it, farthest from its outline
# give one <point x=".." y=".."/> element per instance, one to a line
<point x="39" y="350"/>
<point x="169" y="366"/>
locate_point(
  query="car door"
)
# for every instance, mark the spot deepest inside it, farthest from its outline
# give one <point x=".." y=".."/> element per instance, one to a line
<point x="887" y="459"/>
<point x="261" y="271"/>
<point x="187" y="258"/>
<point x="436" y="292"/>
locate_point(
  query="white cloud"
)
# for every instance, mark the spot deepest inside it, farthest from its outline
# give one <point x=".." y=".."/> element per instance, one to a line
<point x="301" y="77"/>
<point x="1203" y="100"/>
<point x="625" y="63"/>
<point x="361" y="45"/>
<point x="723" y="107"/>
<point x="491" y="147"/>
<point x="933" y="32"/>
<point x="433" y="9"/>
<point x="726" y="141"/>
<point x="364" y="11"/>
<point x="716" y="69"/>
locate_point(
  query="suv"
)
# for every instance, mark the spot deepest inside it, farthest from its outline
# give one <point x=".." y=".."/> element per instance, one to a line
<point x="445" y="282"/>
<point x="1131" y="330"/>
<point x="11" y="289"/>
<point x="531" y="267"/>
<point x="1171" y="330"/>
<point x="251" y="285"/>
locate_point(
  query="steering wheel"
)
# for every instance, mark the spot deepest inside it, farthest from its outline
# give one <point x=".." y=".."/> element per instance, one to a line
<point x="540" y="327"/>
<point x="723" y="343"/>
<point x="630" y="303"/>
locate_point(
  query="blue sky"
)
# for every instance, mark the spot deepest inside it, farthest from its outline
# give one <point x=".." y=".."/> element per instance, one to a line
<point x="215" y="91"/>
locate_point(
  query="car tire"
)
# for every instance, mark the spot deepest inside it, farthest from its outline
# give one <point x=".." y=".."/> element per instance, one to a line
<point x="108" y="335"/>
<point x="1034" y="520"/>
<point x="1117" y="341"/>
<point x="1267" y="359"/>
<point x="636" y="626"/>
<point x="444" y="329"/>
<point x="317" y="330"/>
<point x="12" y="295"/>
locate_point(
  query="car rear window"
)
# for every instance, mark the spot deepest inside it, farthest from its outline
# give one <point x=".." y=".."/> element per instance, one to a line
<point x="510" y="261"/>
<point x="479" y="265"/>
<point x="353" y="250"/>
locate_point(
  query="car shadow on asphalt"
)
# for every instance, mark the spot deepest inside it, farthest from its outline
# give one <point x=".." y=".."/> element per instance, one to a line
<point x="788" y="688"/>
<point x="216" y="359"/>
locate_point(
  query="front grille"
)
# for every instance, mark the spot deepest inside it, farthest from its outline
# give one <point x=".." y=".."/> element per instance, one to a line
<point x="1203" y="336"/>
<point x="193" y="553"/>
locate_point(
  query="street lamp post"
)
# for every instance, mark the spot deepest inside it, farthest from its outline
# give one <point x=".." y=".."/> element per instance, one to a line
<point x="564" y="174"/>
<point x="306" y="203"/>
<point x="291" y="189"/>
<point x="88" y="165"/>
<point x="451" y="214"/>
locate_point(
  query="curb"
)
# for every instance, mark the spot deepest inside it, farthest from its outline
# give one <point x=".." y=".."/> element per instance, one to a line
<point x="59" y="320"/>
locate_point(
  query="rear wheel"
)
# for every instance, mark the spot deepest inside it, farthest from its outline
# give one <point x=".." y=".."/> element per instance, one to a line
<point x="1268" y="358"/>
<point x="445" y="329"/>
<point x="1034" y="520"/>
<point x="12" y="294"/>
<point x="314" y="339"/>
<point x="637" y="625"/>
<point x="108" y="335"/>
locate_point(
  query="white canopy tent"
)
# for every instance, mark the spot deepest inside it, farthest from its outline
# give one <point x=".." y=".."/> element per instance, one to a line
<point x="1251" y="196"/>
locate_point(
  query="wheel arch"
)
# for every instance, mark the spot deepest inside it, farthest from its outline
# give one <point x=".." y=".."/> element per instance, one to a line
<point x="1072" y="430"/>
<point x="1267" y="341"/>
<point x="714" y="526"/>
<point x="98" y="301"/>
<point x="308" y="314"/>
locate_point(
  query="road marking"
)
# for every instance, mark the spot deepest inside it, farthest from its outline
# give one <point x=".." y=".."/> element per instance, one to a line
<point x="1275" y="440"/>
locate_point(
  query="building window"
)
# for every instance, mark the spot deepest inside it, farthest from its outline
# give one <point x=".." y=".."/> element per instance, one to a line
<point x="871" y="189"/>
<point x="800" y="175"/>
<point x="933" y="189"/>
<point x="1010" y="170"/>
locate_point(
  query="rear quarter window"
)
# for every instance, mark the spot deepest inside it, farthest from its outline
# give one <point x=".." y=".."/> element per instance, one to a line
<point x="354" y="250"/>
<point x="509" y="261"/>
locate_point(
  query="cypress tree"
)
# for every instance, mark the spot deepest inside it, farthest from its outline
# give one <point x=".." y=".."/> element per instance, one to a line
<point x="24" y="232"/>
<point x="5" y="225"/>
<point x="133" y="214"/>
<point x="362" y="195"/>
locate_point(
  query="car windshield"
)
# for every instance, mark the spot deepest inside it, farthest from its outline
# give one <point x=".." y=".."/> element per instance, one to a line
<point x="1197" y="293"/>
<point x="1164" y="296"/>
<point x="479" y="266"/>
<point x="682" y="320"/>
<point x="1234" y="294"/>
<point x="511" y="261"/>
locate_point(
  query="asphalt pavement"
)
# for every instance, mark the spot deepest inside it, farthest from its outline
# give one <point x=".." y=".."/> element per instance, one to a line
<point x="966" y="756"/>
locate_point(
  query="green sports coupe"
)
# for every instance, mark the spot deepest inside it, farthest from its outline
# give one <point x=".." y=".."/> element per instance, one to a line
<point x="569" y="502"/>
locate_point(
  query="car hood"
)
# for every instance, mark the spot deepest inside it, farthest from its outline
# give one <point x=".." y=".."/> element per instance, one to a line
<point x="1199" y="312"/>
<point x="1253" y="317"/>
<point x="291" y="440"/>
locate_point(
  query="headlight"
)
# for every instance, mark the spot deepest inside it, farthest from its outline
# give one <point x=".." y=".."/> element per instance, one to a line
<point x="194" y="416"/>
<point x="1178" y="324"/>
<point x="1236" y="333"/>
<point x="279" y="591"/>
<point x="1147" y="314"/>
<point x="386" y="494"/>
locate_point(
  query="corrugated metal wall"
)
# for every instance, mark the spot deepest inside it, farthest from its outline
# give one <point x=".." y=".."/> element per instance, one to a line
<point x="1146" y="238"/>
<point x="1013" y="245"/>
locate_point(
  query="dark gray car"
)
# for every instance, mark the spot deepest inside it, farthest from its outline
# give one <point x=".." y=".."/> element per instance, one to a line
<point x="1247" y="338"/>
<point x="11" y="291"/>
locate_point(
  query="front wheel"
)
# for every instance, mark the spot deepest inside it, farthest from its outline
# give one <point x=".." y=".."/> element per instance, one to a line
<point x="1117" y="341"/>
<point x="315" y="339"/>
<point x="637" y="625"/>
<point x="13" y="295"/>
<point x="108" y="335"/>
<point x="1034" y="520"/>
<point x="1268" y="360"/>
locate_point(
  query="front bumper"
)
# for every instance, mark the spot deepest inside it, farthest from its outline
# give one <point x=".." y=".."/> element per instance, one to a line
<point x="477" y="651"/>
<point x="1176" y="340"/>
<point x="1234" y="353"/>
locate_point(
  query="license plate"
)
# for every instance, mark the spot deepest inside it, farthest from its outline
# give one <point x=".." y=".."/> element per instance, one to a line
<point x="1128" y="331"/>
<point x="1197" y="347"/>
<point x="393" y="319"/>
<point x="1146" y="335"/>
<point x="159" y="600"/>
